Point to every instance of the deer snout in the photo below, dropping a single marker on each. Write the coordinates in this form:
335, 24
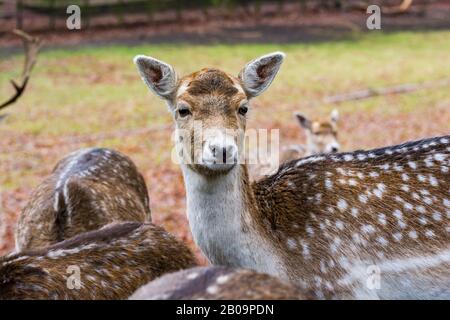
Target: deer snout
220, 150
223, 152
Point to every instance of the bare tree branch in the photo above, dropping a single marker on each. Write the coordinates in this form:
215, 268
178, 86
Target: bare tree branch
373, 92
401, 8
32, 45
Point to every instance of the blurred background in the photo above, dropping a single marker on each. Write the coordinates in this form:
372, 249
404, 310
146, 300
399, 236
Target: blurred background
389, 85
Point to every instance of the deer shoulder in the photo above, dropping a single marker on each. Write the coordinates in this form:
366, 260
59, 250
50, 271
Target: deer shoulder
87, 190
110, 263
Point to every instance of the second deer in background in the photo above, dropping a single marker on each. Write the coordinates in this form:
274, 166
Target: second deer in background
321, 137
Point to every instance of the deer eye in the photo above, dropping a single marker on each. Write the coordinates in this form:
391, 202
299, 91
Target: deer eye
184, 111
243, 110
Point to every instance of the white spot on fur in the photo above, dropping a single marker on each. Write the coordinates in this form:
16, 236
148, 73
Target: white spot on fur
405, 188
412, 234
367, 228
361, 156
192, 276
223, 279
433, 180
408, 206
382, 218
348, 157
374, 174
397, 236
439, 157
362, 198
412, 165
437, 216
423, 220
429, 233
446, 202
342, 205
382, 241
398, 214
421, 177
292, 244
212, 289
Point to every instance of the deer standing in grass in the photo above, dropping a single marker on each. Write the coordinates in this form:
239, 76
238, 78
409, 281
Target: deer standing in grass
87, 190
109, 263
333, 223
218, 283
321, 137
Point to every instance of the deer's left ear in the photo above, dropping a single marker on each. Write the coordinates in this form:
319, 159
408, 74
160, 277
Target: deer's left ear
258, 74
334, 116
159, 76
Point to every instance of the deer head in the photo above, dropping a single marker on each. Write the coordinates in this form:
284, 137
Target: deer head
321, 134
210, 108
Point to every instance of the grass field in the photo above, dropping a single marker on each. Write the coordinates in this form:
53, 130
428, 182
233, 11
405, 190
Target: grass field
93, 96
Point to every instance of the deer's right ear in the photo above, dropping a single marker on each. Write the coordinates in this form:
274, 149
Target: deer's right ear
303, 121
258, 74
159, 76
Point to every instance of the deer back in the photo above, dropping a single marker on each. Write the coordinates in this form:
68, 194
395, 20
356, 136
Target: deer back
87, 190
110, 263
217, 283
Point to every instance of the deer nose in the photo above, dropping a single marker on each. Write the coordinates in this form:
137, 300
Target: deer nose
223, 152
334, 149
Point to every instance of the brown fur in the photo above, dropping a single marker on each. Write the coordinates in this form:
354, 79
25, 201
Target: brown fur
218, 283
87, 190
113, 261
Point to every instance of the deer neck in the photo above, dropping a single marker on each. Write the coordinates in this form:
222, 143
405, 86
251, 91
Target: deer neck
222, 216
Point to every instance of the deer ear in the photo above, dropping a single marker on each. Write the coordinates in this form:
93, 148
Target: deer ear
159, 76
303, 121
258, 74
334, 116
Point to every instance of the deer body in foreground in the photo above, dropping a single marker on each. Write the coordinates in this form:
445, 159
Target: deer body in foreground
321, 137
88, 189
326, 222
217, 283
109, 263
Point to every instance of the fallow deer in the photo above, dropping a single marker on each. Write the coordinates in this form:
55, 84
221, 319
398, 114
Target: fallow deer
321, 137
331, 222
109, 263
218, 283
88, 189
